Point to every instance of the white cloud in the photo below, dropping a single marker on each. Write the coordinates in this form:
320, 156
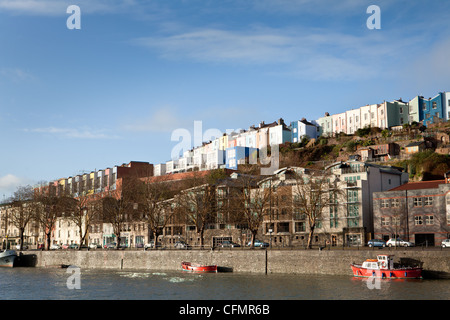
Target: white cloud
164, 119
73, 133
15, 74
9, 184
222, 45
312, 53
59, 7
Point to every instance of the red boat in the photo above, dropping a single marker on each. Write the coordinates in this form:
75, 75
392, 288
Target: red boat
194, 267
383, 267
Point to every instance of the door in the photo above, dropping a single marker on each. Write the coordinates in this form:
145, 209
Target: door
424, 239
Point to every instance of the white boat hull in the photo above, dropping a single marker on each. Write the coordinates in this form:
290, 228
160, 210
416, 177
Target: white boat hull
7, 258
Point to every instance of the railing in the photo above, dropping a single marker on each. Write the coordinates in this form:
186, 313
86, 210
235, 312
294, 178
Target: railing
299, 247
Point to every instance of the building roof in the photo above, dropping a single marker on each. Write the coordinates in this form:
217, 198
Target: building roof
414, 144
419, 185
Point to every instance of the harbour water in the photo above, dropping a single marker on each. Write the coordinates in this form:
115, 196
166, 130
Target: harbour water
95, 284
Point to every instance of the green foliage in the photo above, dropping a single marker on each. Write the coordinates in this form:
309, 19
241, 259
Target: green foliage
430, 164
363, 132
351, 145
216, 175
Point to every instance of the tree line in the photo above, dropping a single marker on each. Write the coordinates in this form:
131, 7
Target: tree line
246, 199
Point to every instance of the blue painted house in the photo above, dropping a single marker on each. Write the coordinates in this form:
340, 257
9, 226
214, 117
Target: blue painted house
240, 155
427, 110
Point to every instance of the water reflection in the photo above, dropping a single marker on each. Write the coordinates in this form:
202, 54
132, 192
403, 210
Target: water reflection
41, 283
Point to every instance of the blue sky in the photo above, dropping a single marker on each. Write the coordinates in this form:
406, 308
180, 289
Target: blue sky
114, 91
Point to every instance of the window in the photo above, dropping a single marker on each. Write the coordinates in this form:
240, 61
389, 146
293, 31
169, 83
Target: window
428, 201
384, 203
385, 221
424, 106
395, 203
352, 196
352, 210
395, 221
334, 222
434, 105
418, 220
417, 202
283, 227
300, 226
401, 110
429, 220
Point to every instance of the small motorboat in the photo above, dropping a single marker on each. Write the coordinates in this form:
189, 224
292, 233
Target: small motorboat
7, 258
383, 267
194, 267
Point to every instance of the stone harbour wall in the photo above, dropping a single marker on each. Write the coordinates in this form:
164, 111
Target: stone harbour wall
436, 263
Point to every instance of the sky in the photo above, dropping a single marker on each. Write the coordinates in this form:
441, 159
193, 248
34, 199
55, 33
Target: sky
116, 90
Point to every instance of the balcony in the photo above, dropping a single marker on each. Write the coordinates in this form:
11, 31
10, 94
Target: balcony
352, 185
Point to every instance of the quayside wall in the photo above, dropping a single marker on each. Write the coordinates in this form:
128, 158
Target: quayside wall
436, 263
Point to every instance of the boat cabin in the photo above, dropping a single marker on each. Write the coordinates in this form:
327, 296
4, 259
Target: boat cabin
383, 261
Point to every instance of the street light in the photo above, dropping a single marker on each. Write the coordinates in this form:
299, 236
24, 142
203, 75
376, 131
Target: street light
270, 234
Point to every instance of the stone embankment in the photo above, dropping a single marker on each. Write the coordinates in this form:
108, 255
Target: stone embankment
436, 263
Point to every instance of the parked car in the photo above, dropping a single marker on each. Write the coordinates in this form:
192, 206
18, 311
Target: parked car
399, 243
376, 243
445, 243
111, 245
259, 243
64, 246
151, 245
41, 246
55, 246
228, 244
25, 247
181, 245
73, 246
94, 246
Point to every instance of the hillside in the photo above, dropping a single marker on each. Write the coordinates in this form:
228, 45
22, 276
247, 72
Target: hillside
430, 162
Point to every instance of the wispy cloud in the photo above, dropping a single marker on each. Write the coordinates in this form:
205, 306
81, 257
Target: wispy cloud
74, 133
15, 74
313, 53
164, 119
59, 7
221, 45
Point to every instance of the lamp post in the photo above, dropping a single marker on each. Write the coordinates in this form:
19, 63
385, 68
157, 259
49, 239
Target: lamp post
270, 235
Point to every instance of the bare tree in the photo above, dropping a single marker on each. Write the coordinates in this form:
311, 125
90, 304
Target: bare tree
119, 206
250, 202
23, 210
83, 212
312, 194
197, 203
150, 198
48, 208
